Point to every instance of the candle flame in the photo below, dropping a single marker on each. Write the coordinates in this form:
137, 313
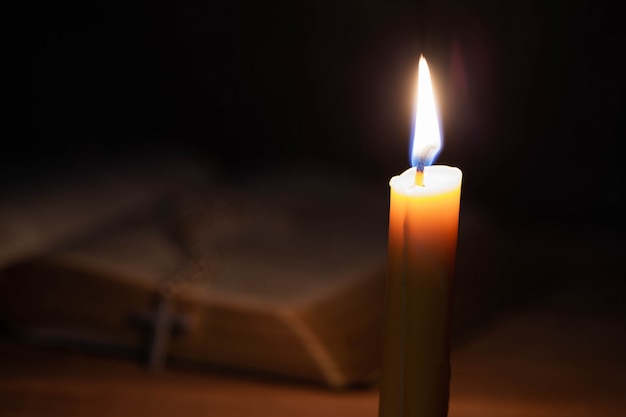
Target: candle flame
426, 142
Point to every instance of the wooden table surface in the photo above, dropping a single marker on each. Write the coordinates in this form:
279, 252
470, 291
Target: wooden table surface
559, 355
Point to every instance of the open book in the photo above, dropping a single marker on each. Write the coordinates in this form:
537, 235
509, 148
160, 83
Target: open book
282, 274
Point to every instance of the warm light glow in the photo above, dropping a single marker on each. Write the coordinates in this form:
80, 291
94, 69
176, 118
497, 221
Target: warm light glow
426, 142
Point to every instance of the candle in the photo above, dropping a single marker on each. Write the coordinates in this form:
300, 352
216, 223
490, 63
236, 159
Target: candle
423, 227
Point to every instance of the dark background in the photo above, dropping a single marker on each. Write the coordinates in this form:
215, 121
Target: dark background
531, 94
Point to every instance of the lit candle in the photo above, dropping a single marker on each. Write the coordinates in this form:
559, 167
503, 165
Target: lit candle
423, 228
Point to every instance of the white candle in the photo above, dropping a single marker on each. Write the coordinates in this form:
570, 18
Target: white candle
423, 229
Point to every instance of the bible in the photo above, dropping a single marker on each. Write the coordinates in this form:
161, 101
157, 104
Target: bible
281, 274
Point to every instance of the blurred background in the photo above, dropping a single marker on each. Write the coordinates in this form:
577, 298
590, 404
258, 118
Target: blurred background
532, 96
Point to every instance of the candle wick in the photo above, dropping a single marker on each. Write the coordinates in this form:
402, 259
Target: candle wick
419, 173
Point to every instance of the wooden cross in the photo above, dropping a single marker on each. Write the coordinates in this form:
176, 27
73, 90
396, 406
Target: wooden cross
163, 321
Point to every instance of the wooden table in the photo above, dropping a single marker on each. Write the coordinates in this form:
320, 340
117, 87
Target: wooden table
558, 355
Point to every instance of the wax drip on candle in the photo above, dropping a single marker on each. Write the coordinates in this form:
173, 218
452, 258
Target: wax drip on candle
426, 142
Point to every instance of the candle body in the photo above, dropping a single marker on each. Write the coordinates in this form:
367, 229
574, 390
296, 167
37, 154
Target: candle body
423, 230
